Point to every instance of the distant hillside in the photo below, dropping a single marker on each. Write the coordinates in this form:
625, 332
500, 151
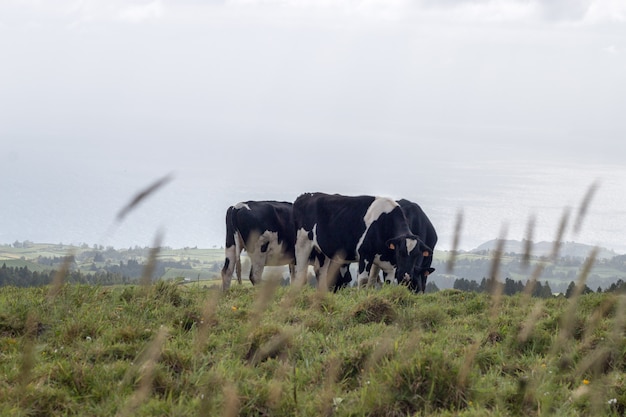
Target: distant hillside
571, 249
190, 263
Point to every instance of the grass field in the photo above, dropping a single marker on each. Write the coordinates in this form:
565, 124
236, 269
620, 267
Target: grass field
173, 350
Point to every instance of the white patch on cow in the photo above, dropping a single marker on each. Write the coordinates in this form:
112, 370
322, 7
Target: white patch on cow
387, 267
242, 205
274, 254
302, 239
275, 251
379, 206
410, 244
315, 242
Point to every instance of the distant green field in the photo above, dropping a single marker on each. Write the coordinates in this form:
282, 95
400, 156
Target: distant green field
206, 263
19, 263
202, 260
202, 255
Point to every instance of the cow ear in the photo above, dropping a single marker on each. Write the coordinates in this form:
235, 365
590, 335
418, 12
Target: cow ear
426, 251
391, 246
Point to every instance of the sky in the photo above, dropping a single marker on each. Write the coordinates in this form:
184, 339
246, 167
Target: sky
501, 110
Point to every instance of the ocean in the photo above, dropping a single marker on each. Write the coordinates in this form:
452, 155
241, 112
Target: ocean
495, 200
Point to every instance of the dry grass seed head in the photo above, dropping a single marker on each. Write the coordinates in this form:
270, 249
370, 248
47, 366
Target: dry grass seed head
584, 205
458, 226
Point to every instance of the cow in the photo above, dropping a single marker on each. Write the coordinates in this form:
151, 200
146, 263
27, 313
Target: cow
420, 225
372, 231
265, 230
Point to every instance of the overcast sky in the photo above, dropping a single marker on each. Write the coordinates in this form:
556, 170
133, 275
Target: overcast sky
499, 108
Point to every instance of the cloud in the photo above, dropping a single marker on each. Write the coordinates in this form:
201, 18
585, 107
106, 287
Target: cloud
607, 11
142, 12
330, 11
612, 50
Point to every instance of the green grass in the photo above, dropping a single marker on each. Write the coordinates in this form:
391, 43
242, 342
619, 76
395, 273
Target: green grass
266, 351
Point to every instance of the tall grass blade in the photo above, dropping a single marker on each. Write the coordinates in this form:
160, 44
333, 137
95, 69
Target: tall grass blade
496, 261
329, 279
28, 354
231, 400
59, 277
142, 195
496, 289
146, 363
265, 294
528, 242
584, 205
208, 320
569, 316
326, 407
529, 324
558, 239
458, 226
148, 270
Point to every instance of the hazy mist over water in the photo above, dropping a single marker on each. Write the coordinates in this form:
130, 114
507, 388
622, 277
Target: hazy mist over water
81, 207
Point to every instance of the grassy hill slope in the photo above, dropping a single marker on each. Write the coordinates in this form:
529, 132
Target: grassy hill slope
271, 351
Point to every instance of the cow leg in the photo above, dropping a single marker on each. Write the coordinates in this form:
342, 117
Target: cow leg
304, 246
373, 275
292, 271
317, 270
229, 265
256, 268
324, 274
363, 273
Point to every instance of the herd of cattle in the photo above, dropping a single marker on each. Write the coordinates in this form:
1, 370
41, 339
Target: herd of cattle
328, 232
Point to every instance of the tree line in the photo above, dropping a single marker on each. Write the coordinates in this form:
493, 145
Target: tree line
131, 268
512, 287
24, 277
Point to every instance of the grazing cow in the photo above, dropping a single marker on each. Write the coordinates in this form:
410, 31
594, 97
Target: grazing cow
372, 231
422, 227
265, 230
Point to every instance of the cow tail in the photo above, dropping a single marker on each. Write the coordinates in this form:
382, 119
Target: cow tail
230, 249
237, 241
230, 226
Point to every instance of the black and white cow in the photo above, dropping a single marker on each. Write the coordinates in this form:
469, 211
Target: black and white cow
421, 226
265, 230
372, 231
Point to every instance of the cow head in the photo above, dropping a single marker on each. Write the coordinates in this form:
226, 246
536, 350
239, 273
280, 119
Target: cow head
418, 283
409, 251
